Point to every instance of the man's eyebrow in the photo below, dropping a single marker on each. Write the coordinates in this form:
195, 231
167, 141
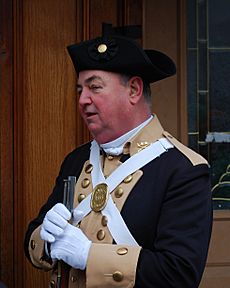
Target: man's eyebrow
89, 80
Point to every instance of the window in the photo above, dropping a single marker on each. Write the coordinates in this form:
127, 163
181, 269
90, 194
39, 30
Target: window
208, 52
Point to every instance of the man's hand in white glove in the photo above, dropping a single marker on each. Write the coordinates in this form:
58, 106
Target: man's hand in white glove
55, 222
72, 247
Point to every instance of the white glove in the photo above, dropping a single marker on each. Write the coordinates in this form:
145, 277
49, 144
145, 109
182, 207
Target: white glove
72, 247
55, 222
77, 216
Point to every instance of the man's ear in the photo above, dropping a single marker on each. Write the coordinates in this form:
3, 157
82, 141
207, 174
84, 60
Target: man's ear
136, 89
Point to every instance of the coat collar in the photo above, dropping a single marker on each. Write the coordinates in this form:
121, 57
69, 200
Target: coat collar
149, 134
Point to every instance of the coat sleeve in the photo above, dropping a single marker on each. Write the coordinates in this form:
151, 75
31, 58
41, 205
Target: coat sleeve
112, 265
178, 256
36, 251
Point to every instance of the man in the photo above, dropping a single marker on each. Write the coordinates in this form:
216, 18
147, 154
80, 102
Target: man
142, 209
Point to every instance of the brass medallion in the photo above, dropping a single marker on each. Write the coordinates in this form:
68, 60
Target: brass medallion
99, 197
102, 48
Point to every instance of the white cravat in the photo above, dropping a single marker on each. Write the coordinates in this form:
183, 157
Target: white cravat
115, 147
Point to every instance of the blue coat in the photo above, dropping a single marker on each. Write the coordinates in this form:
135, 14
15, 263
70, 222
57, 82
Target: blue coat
168, 211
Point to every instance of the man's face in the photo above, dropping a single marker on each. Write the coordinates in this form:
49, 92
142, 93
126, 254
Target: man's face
104, 104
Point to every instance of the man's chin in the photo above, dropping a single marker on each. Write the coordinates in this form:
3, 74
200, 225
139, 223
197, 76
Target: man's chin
99, 134
94, 128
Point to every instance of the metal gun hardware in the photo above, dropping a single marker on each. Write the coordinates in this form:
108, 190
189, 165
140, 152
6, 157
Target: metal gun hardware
68, 200
68, 196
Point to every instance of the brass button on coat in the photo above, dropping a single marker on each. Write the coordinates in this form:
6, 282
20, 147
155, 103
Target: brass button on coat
100, 234
81, 197
73, 278
85, 183
118, 276
52, 284
122, 251
119, 192
110, 157
104, 221
128, 179
88, 168
32, 244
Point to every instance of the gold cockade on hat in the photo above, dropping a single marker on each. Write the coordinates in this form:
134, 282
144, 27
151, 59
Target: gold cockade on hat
102, 48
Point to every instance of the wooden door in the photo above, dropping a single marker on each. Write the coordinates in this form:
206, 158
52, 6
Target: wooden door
40, 123
6, 142
44, 113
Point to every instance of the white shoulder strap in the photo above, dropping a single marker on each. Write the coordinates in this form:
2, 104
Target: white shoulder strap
116, 224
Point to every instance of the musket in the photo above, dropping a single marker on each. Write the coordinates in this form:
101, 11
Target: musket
68, 200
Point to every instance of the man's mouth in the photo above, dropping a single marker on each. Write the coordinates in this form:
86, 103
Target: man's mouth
90, 114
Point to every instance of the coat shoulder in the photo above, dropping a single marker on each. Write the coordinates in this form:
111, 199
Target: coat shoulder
191, 155
81, 151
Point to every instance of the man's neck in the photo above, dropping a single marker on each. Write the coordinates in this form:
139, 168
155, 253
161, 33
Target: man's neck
115, 147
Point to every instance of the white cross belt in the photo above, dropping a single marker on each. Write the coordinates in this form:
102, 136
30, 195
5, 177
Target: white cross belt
116, 224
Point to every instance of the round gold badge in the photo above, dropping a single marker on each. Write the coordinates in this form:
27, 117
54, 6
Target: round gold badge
102, 48
99, 197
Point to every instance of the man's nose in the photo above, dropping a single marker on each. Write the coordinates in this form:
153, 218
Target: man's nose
85, 97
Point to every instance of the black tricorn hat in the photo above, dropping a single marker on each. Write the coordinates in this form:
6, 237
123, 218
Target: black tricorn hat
122, 55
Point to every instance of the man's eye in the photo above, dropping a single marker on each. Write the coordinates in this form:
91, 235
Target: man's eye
95, 87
